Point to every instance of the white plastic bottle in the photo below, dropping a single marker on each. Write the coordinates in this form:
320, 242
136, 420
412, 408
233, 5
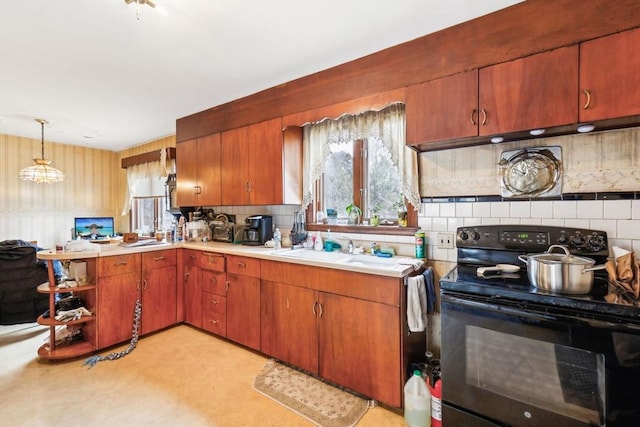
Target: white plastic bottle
417, 401
318, 245
277, 239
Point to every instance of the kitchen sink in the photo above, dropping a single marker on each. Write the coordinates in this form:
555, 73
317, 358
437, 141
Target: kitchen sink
312, 255
362, 263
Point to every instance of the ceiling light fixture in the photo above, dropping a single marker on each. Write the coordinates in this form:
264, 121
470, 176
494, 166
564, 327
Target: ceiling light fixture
41, 173
161, 10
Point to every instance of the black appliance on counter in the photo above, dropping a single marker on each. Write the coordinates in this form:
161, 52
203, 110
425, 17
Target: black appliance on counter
258, 230
222, 228
514, 355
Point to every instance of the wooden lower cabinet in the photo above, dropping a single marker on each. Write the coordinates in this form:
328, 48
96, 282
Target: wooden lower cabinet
348, 328
118, 286
359, 346
243, 300
159, 290
289, 323
121, 280
192, 287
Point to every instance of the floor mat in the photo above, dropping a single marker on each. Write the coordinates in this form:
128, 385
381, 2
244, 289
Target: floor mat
317, 401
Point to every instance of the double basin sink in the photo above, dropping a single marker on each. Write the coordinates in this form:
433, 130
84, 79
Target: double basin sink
396, 266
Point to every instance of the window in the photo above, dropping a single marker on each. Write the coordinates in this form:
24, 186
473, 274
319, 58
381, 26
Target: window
360, 172
360, 159
150, 213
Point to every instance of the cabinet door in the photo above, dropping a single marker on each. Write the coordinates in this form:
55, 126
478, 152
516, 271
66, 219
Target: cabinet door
158, 298
193, 295
209, 173
187, 173
243, 310
288, 324
266, 163
534, 92
235, 167
198, 171
359, 346
443, 109
610, 72
117, 296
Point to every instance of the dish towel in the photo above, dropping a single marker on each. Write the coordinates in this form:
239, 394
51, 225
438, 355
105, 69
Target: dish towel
431, 290
416, 304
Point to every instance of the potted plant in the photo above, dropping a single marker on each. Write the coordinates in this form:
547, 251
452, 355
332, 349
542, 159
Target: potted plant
402, 211
354, 213
375, 216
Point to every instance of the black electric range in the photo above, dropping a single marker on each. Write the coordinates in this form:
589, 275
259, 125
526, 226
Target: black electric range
501, 244
514, 355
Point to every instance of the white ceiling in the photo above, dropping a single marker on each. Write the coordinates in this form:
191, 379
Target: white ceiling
104, 79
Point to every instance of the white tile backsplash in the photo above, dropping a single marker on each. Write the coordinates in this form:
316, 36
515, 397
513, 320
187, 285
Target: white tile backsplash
520, 209
565, 209
448, 209
617, 209
592, 209
499, 209
541, 209
611, 216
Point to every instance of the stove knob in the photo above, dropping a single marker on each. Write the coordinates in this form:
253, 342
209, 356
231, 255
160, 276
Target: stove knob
475, 235
562, 239
578, 241
596, 242
464, 235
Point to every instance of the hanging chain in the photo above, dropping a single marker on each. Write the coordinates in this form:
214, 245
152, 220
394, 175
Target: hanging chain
137, 313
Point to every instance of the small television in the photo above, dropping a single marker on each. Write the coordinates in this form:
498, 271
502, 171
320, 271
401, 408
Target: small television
94, 228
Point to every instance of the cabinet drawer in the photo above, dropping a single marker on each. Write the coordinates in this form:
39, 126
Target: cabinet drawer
190, 258
157, 259
212, 303
118, 264
243, 265
214, 313
214, 281
212, 261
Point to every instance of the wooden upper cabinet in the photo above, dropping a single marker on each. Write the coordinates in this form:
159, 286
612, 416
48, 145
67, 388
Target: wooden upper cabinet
443, 109
260, 166
534, 92
610, 77
198, 171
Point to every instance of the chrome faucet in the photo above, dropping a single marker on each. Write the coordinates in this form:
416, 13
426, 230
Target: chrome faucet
350, 246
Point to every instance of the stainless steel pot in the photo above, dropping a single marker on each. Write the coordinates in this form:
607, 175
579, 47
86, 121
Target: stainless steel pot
563, 273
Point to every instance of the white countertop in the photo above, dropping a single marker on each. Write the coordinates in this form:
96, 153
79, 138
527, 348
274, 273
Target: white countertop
397, 266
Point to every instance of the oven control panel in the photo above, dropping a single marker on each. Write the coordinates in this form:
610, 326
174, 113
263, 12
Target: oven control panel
530, 238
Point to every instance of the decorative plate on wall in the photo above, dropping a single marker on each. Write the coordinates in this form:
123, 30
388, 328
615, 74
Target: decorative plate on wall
531, 172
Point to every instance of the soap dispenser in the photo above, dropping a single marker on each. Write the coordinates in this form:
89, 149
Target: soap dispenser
318, 245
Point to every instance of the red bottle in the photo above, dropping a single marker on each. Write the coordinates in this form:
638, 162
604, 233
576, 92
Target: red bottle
436, 404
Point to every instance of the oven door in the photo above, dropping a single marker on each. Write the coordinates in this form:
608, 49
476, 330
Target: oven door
531, 366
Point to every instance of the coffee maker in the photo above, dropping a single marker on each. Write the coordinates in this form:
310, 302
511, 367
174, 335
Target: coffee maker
258, 230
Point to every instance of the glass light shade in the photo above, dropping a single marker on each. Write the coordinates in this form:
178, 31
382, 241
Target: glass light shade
41, 173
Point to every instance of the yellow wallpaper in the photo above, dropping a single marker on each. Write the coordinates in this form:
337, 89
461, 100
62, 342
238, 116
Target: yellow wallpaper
94, 185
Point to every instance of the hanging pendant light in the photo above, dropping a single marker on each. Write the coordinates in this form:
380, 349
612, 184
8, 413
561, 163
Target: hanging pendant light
41, 173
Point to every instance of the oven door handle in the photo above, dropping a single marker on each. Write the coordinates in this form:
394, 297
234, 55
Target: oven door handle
553, 314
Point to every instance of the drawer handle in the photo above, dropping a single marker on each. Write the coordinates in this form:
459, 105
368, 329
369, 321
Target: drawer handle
121, 263
158, 258
213, 259
192, 256
472, 117
588, 94
242, 265
213, 321
214, 280
484, 116
214, 301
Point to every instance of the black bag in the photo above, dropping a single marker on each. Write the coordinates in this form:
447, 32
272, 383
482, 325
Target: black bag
66, 304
